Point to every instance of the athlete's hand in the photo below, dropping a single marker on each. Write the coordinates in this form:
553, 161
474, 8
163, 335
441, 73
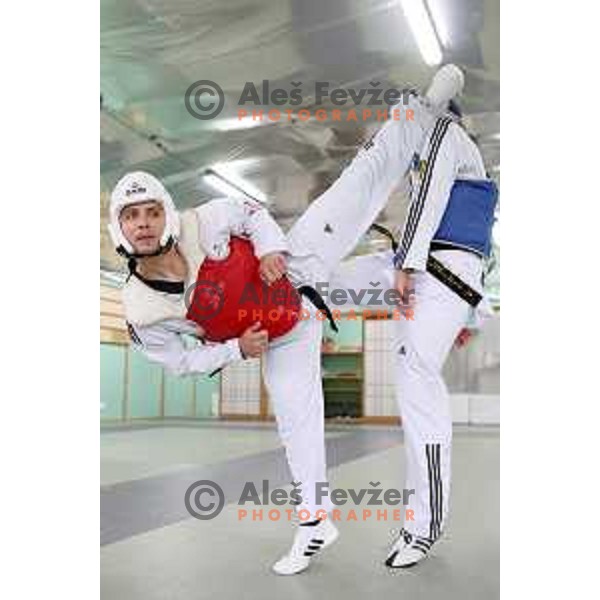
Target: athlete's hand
254, 341
405, 284
463, 338
272, 267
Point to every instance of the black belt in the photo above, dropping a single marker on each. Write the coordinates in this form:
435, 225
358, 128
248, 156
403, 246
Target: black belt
388, 234
452, 281
318, 302
440, 272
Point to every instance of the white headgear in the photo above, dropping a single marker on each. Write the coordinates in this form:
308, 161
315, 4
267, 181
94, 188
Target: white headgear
134, 188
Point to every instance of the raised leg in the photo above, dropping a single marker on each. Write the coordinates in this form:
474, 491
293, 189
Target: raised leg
334, 223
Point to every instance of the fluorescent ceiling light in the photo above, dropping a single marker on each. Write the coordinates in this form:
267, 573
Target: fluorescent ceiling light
439, 14
235, 123
422, 27
222, 178
490, 137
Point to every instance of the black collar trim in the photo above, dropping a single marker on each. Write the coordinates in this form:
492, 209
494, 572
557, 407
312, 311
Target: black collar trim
160, 285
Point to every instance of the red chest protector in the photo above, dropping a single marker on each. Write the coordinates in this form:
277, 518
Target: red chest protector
229, 296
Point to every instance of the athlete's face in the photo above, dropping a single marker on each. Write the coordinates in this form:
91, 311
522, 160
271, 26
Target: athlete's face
142, 225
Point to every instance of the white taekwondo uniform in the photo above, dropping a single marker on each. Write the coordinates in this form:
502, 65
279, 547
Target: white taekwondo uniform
448, 163
326, 233
423, 344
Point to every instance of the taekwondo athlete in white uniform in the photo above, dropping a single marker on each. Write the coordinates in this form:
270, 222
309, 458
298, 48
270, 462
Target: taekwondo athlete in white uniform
170, 252
450, 218
438, 266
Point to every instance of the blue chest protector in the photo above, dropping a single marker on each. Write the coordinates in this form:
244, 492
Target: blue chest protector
469, 216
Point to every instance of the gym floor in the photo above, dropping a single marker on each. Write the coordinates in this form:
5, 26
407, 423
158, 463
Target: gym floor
153, 549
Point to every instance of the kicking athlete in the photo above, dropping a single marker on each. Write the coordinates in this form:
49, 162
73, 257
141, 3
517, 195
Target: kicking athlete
170, 253
439, 264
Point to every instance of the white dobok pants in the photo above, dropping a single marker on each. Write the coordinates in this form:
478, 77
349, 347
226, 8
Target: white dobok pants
420, 348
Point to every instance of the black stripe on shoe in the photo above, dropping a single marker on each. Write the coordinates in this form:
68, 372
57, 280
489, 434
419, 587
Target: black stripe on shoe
316, 548
308, 553
406, 566
424, 542
418, 546
390, 559
315, 541
310, 523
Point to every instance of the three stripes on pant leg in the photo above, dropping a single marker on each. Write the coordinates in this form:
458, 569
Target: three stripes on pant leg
436, 495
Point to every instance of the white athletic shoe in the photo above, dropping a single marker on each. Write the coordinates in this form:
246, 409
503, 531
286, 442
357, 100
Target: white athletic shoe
408, 550
308, 543
447, 83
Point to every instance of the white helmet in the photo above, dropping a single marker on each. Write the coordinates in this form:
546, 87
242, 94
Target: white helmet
135, 188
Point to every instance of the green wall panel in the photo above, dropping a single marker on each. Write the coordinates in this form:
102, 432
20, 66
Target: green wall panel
144, 386
179, 396
205, 388
349, 334
112, 380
